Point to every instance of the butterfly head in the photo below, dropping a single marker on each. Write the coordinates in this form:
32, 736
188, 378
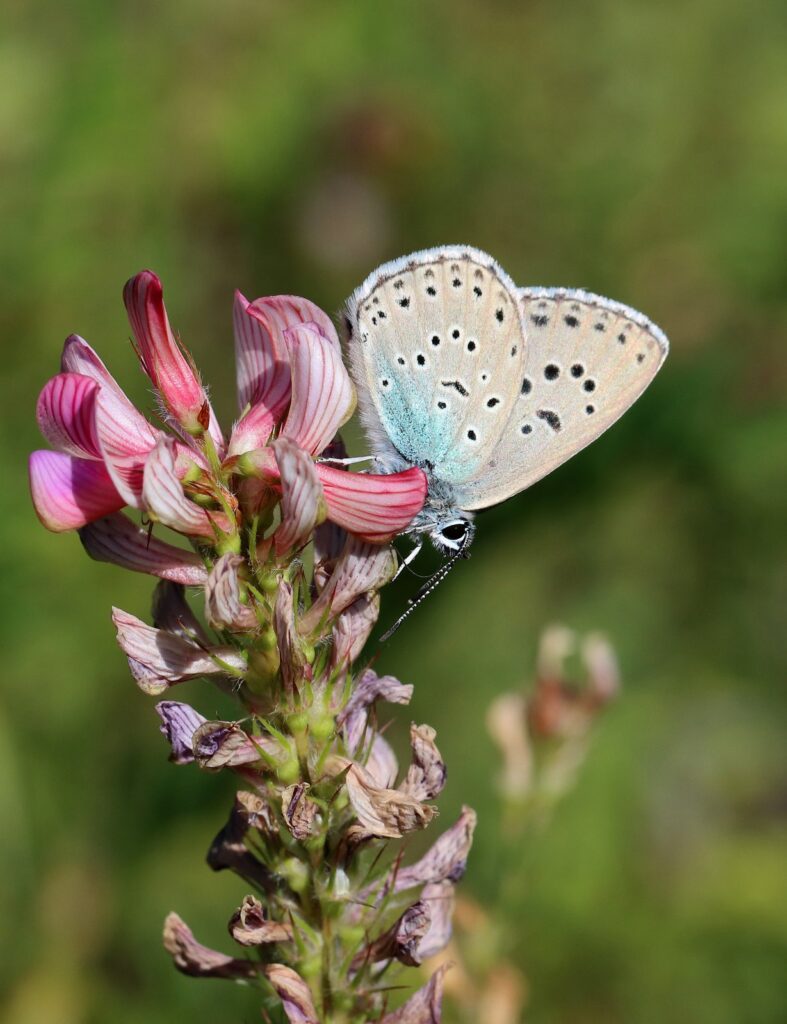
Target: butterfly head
451, 530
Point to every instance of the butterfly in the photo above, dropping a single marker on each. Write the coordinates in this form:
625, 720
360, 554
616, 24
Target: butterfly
487, 387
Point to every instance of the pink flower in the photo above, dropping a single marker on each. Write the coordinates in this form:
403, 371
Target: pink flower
292, 385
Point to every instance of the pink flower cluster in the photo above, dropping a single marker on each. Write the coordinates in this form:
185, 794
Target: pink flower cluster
294, 394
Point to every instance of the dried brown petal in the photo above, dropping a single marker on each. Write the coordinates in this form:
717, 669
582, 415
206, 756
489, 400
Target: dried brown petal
370, 688
223, 606
425, 1007
426, 775
253, 811
198, 961
299, 810
384, 812
445, 860
401, 941
381, 762
603, 672
225, 745
506, 723
228, 850
294, 993
250, 926
439, 898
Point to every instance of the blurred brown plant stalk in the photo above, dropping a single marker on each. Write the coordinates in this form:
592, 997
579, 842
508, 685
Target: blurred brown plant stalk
543, 736
333, 910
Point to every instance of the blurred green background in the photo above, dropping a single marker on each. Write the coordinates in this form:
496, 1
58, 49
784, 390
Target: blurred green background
634, 149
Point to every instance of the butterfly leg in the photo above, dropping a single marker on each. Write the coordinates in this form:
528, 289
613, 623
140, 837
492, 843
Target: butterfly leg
412, 555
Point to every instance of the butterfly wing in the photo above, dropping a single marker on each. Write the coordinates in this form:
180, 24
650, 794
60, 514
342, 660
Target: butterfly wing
435, 340
587, 360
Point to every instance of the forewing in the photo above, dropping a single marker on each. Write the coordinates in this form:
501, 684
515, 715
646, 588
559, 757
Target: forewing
435, 339
587, 359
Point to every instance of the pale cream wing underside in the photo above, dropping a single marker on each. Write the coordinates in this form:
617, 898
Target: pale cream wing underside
437, 344
587, 359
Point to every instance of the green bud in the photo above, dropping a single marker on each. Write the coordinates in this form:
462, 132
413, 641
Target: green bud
267, 641
193, 473
297, 722
269, 584
322, 727
314, 844
308, 651
263, 666
352, 935
290, 771
296, 873
229, 544
310, 967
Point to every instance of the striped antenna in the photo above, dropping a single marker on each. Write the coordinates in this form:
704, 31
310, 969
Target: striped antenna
431, 584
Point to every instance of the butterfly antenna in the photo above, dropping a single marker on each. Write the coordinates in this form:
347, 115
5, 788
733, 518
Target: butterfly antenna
431, 584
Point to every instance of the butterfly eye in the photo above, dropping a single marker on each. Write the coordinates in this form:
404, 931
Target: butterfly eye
454, 531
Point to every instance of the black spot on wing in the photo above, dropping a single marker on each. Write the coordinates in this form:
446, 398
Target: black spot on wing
457, 385
550, 417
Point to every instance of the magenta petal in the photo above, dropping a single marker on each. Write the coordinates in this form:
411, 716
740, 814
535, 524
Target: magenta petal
117, 540
79, 357
163, 359
262, 357
65, 414
69, 492
163, 496
373, 506
323, 397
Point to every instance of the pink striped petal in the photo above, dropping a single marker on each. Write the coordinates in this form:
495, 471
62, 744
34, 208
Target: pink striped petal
352, 630
69, 492
65, 414
164, 360
125, 444
302, 505
79, 357
224, 608
163, 496
362, 568
323, 397
373, 506
253, 430
261, 355
159, 659
117, 540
